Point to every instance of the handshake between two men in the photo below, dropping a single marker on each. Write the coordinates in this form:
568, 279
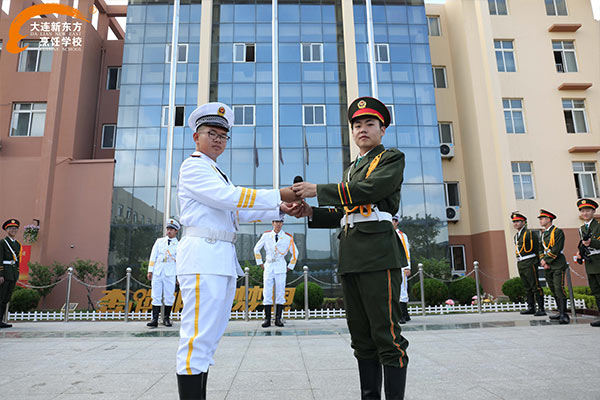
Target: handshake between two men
293, 198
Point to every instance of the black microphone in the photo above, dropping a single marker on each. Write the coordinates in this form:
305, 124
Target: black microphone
298, 179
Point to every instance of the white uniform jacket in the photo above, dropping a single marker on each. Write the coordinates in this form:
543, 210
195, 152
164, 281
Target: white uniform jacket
276, 251
208, 199
162, 257
404, 287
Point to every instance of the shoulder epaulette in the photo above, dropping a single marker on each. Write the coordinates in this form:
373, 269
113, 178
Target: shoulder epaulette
289, 234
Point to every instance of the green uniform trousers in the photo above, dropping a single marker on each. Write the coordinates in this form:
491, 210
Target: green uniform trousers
594, 281
6, 291
556, 282
529, 277
372, 312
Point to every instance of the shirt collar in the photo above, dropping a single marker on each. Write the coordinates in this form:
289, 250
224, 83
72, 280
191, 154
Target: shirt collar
205, 157
547, 229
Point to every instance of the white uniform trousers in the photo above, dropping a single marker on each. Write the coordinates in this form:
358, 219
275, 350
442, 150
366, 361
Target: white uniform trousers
207, 301
270, 279
404, 288
163, 286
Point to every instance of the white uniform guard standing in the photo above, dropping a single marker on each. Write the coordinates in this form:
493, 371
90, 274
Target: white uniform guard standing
207, 266
277, 245
406, 271
162, 272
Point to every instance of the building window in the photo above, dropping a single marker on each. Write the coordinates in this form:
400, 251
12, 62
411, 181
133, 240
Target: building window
445, 131
505, 55
179, 116
244, 52
523, 180
108, 136
586, 179
28, 119
575, 117
564, 55
382, 53
113, 81
128, 214
35, 58
391, 111
556, 7
457, 255
314, 115
311, 52
120, 210
452, 194
433, 24
243, 115
135, 217
513, 115
497, 7
182, 53
439, 77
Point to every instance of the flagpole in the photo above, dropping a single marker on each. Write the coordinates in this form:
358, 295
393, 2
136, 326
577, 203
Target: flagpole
171, 122
275, 79
371, 48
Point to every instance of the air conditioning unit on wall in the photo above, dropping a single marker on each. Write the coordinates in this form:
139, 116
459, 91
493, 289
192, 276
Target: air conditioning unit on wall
447, 150
453, 213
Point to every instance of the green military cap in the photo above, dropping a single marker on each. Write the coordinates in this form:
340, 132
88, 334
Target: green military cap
546, 213
369, 106
11, 222
517, 216
586, 203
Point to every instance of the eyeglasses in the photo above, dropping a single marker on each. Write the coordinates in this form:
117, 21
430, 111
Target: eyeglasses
216, 136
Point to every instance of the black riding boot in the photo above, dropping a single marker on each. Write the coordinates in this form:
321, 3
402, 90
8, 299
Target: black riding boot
2, 311
530, 305
155, 314
394, 382
192, 387
369, 372
167, 316
278, 314
267, 322
556, 316
402, 319
541, 309
564, 317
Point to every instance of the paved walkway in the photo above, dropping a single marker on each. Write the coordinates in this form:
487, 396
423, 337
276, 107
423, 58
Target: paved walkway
458, 356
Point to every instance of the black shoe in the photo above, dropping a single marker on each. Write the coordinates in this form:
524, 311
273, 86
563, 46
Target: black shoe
555, 316
267, 322
5, 325
530, 305
540, 302
528, 311
278, 314
404, 310
167, 316
369, 372
563, 317
192, 387
595, 323
394, 382
539, 313
155, 314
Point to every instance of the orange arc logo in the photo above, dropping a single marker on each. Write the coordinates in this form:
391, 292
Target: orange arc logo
12, 46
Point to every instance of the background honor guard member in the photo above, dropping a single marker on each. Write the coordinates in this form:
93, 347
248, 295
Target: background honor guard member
589, 247
162, 271
277, 244
527, 243
554, 262
371, 255
10, 250
406, 271
207, 267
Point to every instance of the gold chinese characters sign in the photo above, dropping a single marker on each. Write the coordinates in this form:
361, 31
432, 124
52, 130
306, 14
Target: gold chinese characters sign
114, 300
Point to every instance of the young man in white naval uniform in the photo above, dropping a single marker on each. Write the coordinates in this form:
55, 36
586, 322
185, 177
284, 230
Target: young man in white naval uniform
405, 271
161, 272
277, 244
211, 209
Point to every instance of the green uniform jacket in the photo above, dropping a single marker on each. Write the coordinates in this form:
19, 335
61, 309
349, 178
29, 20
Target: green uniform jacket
593, 266
527, 242
551, 250
8, 271
372, 245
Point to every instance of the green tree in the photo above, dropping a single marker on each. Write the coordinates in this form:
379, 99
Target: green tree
89, 272
256, 273
436, 267
45, 275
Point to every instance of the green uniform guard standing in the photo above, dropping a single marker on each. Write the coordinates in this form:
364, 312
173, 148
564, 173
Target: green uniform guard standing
527, 243
371, 255
10, 252
554, 263
589, 247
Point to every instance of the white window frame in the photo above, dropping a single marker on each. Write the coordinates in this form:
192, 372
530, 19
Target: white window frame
377, 49
435, 82
594, 177
31, 111
120, 208
504, 51
235, 45
244, 107
38, 48
440, 123
118, 78
462, 248
179, 47
435, 18
390, 108
512, 110
572, 110
562, 51
313, 106
496, 7
114, 139
522, 173
164, 120
556, 14
446, 184
312, 52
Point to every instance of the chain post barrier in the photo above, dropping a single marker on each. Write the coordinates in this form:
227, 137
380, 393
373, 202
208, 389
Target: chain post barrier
305, 271
127, 294
476, 269
246, 283
422, 283
68, 299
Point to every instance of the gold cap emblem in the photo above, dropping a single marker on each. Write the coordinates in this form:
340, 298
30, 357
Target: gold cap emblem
221, 111
361, 104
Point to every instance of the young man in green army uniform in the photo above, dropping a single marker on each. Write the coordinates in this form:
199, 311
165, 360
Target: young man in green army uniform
554, 263
589, 247
527, 243
371, 255
10, 253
